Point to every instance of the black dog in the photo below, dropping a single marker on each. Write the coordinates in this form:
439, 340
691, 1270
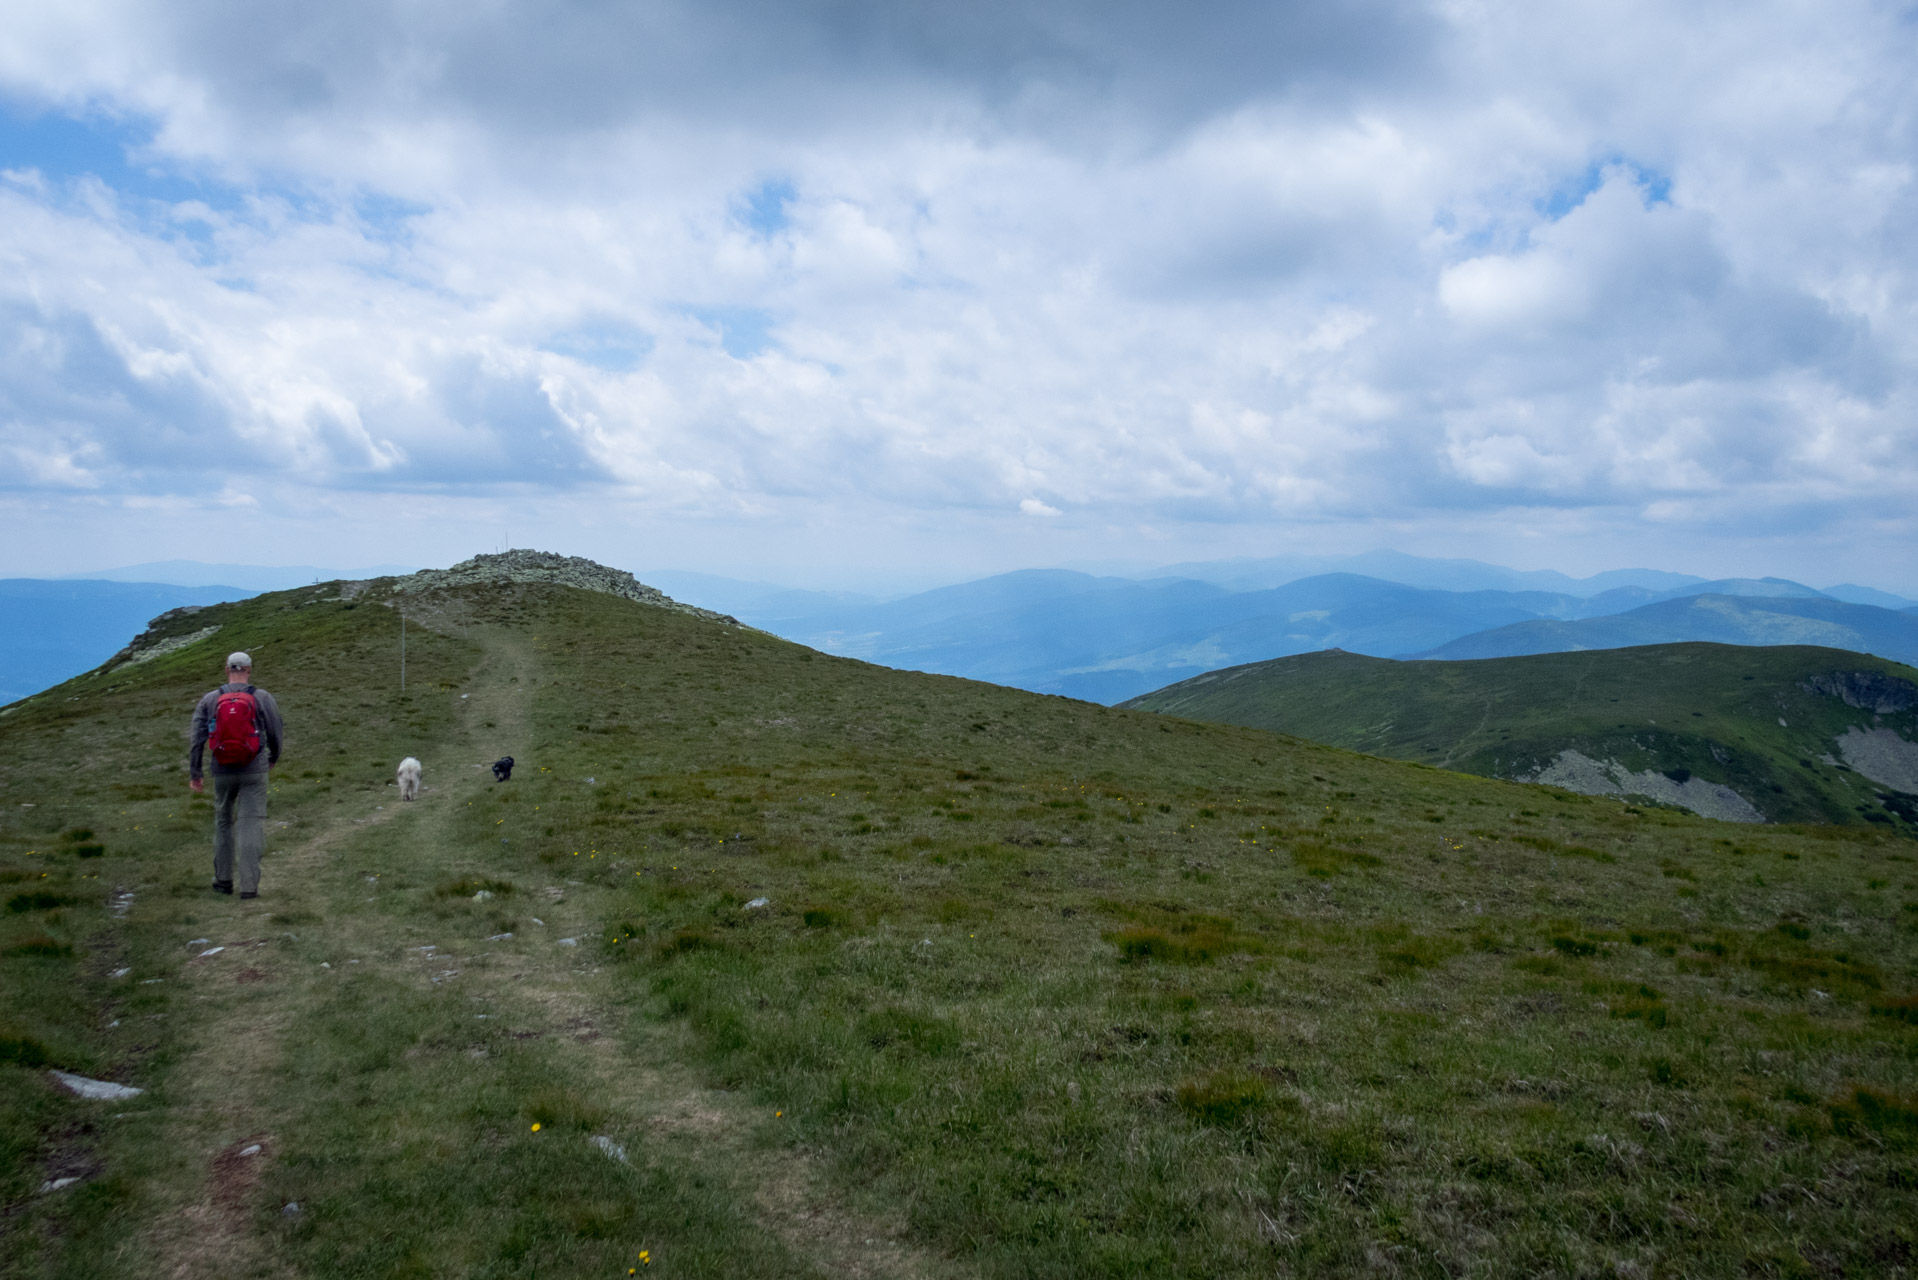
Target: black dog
502, 768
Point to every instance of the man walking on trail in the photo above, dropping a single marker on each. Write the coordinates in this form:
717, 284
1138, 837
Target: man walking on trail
241, 724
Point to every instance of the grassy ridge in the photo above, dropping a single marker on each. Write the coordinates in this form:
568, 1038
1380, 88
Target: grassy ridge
1039, 987
1730, 714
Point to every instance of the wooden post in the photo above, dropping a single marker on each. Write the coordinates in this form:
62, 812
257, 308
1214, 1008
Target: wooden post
402, 651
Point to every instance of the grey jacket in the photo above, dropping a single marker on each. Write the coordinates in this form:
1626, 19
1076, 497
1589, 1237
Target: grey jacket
270, 731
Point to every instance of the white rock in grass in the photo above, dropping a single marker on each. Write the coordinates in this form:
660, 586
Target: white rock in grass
58, 1184
611, 1148
569, 942
757, 903
253, 1150
95, 1088
501, 937
484, 895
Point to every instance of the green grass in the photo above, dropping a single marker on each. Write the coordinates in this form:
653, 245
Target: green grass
1743, 716
1171, 998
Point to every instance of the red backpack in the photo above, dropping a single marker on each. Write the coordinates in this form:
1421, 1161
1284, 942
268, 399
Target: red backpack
236, 727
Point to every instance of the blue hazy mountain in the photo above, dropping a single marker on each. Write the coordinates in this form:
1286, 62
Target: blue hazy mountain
1852, 593
1724, 618
52, 631
1109, 638
254, 577
755, 603
1105, 639
1248, 574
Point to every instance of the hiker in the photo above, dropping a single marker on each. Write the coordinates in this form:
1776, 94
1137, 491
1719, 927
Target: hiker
236, 720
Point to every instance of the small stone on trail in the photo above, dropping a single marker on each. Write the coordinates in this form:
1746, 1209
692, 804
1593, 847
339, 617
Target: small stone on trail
500, 937
569, 942
58, 1184
757, 903
253, 1150
292, 1208
86, 1088
211, 951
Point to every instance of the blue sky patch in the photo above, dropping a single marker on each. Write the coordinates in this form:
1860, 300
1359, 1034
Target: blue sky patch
64, 148
764, 208
1654, 187
743, 331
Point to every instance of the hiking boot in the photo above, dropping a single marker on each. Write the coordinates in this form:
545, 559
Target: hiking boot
223, 886
249, 895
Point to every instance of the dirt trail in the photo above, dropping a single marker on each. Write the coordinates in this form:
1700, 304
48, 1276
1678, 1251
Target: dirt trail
220, 1090
247, 999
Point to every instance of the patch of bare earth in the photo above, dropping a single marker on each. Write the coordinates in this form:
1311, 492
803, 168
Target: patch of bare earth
214, 1239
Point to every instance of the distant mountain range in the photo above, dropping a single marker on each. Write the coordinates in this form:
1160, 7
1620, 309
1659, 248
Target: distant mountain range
1728, 619
1779, 734
254, 577
1107, 638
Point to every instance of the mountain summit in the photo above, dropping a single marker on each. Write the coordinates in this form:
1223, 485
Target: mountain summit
548, 566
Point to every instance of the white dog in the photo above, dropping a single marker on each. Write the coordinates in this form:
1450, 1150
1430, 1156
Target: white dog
409, 779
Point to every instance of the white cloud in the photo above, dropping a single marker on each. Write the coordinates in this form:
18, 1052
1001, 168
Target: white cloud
1347, 267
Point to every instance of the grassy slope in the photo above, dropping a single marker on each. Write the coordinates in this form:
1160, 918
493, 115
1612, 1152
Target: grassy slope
1043, 989
1659, 707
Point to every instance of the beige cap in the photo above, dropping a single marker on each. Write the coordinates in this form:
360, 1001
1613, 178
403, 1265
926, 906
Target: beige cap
238, 659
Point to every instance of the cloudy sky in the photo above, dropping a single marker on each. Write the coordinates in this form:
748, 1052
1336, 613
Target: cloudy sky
840, 290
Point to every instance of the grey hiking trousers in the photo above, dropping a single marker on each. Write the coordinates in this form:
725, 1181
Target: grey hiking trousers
239, 824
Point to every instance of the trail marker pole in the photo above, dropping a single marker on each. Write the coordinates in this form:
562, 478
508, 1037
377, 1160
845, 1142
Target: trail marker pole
402, 651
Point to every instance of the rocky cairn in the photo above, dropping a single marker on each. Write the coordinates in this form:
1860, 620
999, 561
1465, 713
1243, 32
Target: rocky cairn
545, 566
